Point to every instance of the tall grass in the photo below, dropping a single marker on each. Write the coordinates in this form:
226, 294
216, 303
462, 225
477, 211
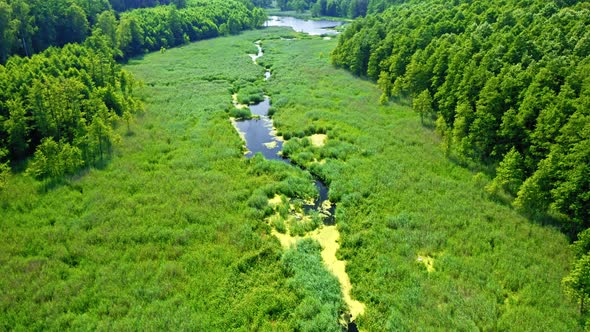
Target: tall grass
401, 204
162, 237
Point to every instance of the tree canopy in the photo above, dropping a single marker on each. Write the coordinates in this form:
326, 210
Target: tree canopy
508, 81
60, 105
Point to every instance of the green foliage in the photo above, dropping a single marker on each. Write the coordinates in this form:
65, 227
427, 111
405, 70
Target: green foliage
161, 237
318, 291
577, 282
53, 160
240, 113
53, 100
4, 175
250, 94
399, 198
167, 26
336, 8
509, 174
422, 104
30, 27
502, 77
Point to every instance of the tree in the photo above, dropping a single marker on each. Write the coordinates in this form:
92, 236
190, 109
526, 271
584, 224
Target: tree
6, 31
130, 36
283, 4
46, 160
577, 282
100, 136
107, 23
259, 17
76, 25
17, 128
23, 24
509, 174
4, 173
423, 105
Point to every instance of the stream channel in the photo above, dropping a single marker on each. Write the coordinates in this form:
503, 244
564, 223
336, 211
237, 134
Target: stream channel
260, 137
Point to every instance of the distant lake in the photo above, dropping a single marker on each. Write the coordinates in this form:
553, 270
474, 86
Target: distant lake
315, 28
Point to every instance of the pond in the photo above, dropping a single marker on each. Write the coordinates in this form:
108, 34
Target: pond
314, 28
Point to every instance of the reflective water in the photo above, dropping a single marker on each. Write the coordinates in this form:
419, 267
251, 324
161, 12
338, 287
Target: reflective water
259, 134
314, 28
260, 137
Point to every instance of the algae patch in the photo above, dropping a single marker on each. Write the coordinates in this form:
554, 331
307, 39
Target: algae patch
318, 140
271, 145
427, 261
328, 237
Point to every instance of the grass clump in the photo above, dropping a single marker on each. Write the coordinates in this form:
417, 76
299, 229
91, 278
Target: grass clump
318, 291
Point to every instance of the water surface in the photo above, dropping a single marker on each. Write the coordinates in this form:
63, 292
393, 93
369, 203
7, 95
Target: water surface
314, 28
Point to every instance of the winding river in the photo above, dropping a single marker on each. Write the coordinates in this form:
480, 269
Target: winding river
260, 137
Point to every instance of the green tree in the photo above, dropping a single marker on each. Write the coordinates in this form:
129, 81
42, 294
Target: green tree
17, 128
24, 24
259, 17
130, 36
100, 137
577, 282
4, 173
6, 31
509, 174
76, 25
422, 104
46, 163
107, 23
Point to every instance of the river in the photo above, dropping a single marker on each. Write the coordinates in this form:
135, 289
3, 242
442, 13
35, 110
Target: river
260, 137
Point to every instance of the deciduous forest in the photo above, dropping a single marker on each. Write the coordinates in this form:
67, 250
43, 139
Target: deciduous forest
453, 138
505, 84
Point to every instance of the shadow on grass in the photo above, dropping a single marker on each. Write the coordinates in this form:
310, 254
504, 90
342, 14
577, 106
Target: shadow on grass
50, 184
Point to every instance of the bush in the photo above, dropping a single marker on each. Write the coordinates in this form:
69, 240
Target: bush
241, 113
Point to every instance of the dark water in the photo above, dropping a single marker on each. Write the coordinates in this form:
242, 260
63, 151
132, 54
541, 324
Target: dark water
260, 138
314, 28
258, 133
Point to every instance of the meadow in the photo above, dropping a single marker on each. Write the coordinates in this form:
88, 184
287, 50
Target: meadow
427, 248
169, 233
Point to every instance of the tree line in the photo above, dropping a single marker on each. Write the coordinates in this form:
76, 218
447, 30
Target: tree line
29, 27
506, 84
61, 105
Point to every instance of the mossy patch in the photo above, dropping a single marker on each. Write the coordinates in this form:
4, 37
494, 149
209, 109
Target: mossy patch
318, 140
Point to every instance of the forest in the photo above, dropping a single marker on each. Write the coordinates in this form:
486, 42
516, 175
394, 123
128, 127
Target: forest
506, 85
456, 149
60, 105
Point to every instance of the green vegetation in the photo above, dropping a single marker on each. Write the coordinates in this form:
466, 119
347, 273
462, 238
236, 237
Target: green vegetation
502, 78
168, 235
61, 105
29, 27
174, 232
399, 198
331, 8
319, 295
509, 86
